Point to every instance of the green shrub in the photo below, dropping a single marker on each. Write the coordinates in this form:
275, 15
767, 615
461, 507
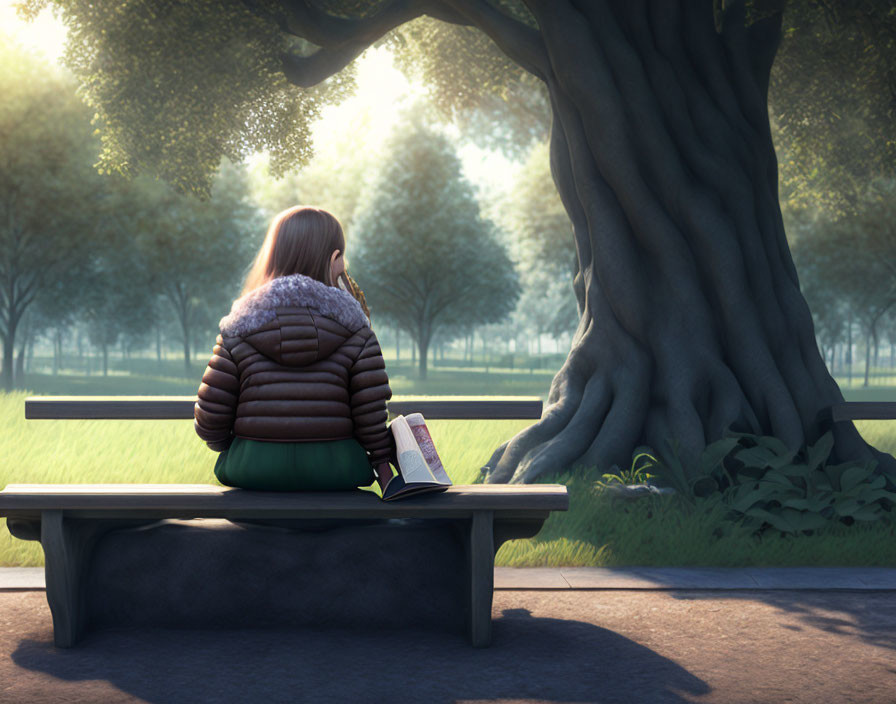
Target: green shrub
764, 485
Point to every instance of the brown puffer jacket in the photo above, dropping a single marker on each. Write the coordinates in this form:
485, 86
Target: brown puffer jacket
296, 360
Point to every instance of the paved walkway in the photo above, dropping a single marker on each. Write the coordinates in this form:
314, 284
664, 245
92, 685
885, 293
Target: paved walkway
874, 578
550, 646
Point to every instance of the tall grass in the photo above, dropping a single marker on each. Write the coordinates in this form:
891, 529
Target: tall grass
598, 530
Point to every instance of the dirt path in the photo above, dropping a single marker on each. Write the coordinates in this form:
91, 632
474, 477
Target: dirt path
575, 646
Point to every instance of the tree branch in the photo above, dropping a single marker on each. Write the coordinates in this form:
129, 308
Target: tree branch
446, 14
307, 71
326, 30
278, 18
519, 41
341, 39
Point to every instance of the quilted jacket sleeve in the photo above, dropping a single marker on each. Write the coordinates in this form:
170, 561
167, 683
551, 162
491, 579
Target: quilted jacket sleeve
369, 391
215, 410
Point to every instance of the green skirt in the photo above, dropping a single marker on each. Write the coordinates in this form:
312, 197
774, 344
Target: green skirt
332, 465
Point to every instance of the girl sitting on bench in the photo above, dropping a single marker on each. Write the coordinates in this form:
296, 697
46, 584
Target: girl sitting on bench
294, 396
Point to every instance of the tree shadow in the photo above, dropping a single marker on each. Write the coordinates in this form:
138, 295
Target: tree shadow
530, 658
867, 615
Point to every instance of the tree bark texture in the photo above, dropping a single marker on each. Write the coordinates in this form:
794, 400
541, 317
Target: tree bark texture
692, 320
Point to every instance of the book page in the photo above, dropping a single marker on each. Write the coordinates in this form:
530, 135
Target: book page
417, 424
411, 462
413, 467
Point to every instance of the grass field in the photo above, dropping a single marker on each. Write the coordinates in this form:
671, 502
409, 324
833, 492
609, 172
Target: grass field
596, 531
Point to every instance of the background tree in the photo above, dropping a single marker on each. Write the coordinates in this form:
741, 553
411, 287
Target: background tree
196, 251
50, 194
421, 249
533, 216
833, 102
334, 180
871, 236
539, 234
116, 296
847, 278
889, 325
692, 320
819, 280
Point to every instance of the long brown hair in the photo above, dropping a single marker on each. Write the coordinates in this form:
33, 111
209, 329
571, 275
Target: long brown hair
300, 240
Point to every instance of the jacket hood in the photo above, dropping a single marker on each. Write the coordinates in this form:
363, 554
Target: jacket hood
258, 307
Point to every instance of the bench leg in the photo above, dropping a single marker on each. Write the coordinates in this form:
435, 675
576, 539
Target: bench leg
63, 552
482, 578
68, 544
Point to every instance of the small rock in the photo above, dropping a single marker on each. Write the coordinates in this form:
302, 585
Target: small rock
635, 491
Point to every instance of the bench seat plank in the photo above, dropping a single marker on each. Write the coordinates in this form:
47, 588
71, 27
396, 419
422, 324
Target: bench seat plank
206, 500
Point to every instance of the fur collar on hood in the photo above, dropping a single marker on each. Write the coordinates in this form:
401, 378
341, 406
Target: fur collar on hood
257, 307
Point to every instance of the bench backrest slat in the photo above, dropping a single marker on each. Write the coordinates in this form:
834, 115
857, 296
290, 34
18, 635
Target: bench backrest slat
858, 410
177, 407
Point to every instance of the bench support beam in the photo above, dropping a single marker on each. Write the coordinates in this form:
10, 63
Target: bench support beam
66, 548
68, 544
482, 577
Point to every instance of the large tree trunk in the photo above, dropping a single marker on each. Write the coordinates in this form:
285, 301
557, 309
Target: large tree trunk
692, 320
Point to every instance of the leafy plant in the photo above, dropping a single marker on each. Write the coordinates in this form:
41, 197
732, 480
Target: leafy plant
765, 485
642, 460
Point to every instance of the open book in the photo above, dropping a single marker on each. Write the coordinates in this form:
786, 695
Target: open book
419, 466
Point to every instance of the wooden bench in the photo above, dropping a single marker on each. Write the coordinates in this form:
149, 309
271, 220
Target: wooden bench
68, 520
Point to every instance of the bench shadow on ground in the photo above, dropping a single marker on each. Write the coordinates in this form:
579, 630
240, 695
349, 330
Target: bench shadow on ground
530, 658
